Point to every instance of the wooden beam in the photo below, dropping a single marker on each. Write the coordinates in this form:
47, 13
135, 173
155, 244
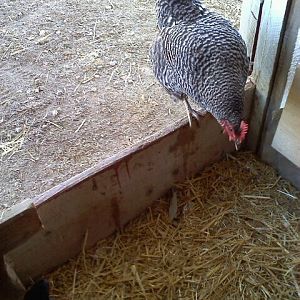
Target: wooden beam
266, 57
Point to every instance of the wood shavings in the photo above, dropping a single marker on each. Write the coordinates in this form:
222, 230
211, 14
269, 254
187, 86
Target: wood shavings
225, 246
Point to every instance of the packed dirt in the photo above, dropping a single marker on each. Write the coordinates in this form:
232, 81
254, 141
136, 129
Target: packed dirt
76, 87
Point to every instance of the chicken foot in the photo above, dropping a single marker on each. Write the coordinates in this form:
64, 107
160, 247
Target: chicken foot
193, 113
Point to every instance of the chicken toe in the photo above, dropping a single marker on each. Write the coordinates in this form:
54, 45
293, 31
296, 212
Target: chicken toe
193, 113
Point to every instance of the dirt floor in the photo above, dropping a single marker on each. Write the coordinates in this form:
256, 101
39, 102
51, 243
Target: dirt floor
76, 87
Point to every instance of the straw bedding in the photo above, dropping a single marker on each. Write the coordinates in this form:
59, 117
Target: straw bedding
230, 233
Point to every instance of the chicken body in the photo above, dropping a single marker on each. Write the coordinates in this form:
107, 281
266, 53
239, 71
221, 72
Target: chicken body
200, 55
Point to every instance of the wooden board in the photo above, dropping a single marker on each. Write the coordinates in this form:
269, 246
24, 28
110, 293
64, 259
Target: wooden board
248, 24
286, 168
287, 136
19, 228
104, 198
14, 232
10, 285
266, 57
292, 70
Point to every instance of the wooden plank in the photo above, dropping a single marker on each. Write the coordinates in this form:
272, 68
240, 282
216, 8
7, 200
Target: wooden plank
104, 198
287, 136
13, 232
248, 23
19, 228
286, 168
266, 57
291, 74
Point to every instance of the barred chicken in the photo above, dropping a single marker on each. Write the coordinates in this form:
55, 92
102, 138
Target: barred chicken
199, 56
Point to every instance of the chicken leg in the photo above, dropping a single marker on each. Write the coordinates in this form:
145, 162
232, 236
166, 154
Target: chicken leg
192, 113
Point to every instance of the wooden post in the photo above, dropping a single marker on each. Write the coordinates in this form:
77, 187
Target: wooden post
286, 168
266, 56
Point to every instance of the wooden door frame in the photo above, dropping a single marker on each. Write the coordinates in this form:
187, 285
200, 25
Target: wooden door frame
273, 109
266, 41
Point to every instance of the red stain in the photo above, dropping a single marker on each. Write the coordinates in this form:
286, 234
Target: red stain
116, 169
127, 168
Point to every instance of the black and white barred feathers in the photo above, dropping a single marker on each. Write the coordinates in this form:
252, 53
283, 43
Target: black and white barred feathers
198, 54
